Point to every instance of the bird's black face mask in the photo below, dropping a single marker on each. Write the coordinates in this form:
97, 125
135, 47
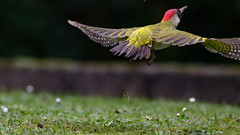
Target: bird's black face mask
179, 14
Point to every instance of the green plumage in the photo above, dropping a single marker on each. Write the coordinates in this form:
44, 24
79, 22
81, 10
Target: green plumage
228, 47
140, 42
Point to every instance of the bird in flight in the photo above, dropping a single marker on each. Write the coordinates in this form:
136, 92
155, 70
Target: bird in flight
141, 42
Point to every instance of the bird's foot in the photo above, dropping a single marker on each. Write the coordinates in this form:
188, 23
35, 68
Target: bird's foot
152, 58
131, 60
150, 61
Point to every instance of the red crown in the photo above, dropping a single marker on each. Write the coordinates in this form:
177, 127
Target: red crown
169, 14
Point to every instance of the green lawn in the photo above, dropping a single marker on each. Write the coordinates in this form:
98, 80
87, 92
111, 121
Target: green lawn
31, 113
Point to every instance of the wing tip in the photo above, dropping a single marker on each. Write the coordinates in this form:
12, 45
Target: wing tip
70, 22
227, 47
73, 23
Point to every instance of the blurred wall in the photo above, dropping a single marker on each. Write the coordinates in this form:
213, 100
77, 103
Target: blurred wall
39, 28
205, 83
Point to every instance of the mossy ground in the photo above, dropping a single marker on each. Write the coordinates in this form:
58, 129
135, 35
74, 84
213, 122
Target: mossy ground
39, 113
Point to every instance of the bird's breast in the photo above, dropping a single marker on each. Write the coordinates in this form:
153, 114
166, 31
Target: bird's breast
159, 46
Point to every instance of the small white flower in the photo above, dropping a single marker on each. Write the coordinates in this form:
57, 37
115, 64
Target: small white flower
192, 99
184, 109
58, 100
110, 123
178, 114
148, 117
4, 109
45, 118
29, 88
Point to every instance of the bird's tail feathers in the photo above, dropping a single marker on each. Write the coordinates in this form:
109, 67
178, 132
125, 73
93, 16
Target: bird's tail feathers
141, 52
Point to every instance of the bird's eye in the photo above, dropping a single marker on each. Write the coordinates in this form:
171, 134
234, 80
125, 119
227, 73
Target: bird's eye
179, 13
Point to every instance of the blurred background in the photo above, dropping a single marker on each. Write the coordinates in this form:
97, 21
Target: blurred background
39, 28
38, 32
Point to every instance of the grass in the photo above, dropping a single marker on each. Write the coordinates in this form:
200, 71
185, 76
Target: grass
39, 113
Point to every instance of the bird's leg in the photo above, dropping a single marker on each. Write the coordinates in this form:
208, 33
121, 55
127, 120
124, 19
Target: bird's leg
152, 57
131, 60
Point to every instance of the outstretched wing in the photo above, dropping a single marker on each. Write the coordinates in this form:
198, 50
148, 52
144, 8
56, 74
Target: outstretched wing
227, 47
106, 37
176, 37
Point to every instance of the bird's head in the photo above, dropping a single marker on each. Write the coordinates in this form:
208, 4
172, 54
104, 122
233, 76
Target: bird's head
174, 15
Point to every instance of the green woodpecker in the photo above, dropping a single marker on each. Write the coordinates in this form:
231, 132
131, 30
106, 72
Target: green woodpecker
140, 42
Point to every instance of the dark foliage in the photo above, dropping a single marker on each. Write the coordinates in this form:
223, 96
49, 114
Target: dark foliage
39, 28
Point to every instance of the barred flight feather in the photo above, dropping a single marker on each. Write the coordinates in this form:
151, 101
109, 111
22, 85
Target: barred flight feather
178, 41
131, 51
107, 32
227, 47
105, 41
170, 40
192, 41
183, 42
177, 37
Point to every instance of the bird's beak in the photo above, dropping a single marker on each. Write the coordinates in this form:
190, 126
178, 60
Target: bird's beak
182, 9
